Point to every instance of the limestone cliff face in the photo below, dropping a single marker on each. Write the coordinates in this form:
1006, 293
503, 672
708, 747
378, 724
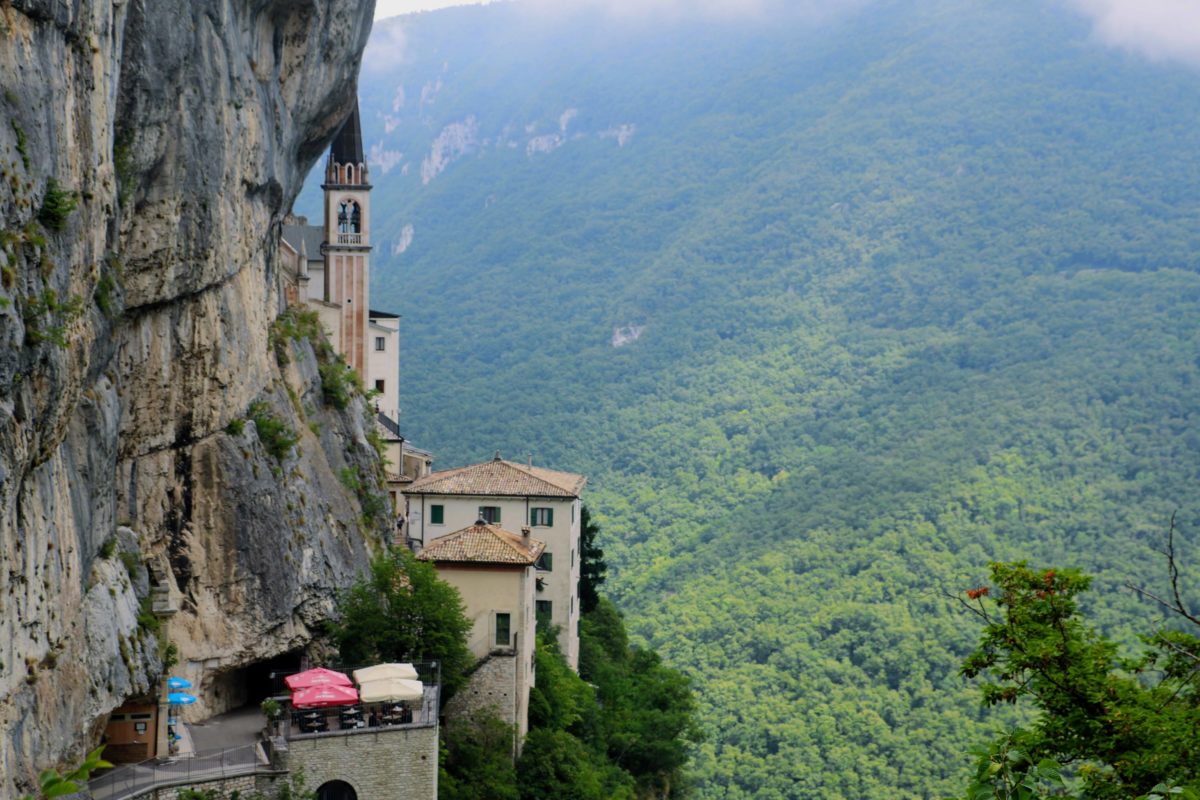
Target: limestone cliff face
134, 329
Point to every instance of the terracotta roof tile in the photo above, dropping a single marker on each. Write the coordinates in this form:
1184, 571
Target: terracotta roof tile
483, 544
501, 478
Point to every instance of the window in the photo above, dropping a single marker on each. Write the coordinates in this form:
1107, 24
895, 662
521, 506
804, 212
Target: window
437, 515
572, 557
546, 562
380, 344
379, 385
541, 516
490, 514
503, 629
545, 609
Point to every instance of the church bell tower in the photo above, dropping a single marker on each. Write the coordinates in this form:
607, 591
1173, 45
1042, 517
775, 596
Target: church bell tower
348, 240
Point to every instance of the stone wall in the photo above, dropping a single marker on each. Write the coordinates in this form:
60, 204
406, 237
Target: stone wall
491, 688
223, 789
381, 764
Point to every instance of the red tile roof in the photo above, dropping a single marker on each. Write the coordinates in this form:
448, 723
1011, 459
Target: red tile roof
483, 544
500, 478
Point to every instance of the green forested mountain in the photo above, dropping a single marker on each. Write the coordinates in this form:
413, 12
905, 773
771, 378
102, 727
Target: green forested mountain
916, 289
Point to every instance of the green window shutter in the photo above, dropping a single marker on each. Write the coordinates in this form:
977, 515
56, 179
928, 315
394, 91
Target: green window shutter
549, 516
503, 623
437, 515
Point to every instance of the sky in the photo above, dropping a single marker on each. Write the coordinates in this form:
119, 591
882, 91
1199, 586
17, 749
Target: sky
1160, 30
391, 8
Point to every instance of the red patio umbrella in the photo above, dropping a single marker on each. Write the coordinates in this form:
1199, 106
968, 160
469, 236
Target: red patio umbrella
324, 696
317, 677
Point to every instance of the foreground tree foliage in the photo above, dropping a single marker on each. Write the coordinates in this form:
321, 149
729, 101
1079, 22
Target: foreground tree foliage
1125, 727
402, 611
619, 730
476, 760
593, 569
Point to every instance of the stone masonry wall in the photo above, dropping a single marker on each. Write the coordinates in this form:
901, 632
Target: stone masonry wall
385, 764
491, 687
222, 789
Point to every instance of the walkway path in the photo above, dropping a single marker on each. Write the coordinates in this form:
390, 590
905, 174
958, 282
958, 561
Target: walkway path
231, 729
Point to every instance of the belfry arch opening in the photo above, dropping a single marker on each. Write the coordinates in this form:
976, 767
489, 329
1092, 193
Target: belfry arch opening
349, 217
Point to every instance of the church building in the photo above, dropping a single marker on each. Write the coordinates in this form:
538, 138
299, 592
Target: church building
327, 268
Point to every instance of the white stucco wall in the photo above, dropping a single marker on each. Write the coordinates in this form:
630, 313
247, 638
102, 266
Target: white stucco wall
384, 364
486, 592
561, 584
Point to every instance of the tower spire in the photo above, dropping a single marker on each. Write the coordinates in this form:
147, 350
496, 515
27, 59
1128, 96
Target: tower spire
347, 145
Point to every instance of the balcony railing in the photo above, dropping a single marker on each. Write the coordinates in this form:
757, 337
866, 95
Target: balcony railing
136, 780
349, 238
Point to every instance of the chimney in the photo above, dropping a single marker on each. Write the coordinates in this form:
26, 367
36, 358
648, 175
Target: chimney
497, 456
531, 460
525, 531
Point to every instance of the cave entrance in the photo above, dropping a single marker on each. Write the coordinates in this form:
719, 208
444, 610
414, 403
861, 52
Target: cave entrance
265, 678
248, 686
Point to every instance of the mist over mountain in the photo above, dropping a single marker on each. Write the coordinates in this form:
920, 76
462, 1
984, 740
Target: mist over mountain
833, 310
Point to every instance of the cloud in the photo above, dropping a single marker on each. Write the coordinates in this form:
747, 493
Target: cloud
1161, 30
681, 10
387, 49
392, 8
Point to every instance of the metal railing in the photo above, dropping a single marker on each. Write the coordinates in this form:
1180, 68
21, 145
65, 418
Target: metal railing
366, 718
134, 780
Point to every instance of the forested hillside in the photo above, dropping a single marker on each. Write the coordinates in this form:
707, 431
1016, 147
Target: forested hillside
832, 314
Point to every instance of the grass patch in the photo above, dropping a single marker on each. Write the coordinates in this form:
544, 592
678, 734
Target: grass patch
22, 144
47, 318
148, 621
374, 505
109, 548
235, 427
123, 166
132, 562
293, 325
275, 434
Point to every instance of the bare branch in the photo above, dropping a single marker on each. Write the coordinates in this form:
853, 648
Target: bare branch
1177, 606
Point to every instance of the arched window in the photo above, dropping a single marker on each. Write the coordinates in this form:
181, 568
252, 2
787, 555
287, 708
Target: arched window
349, 217
349, 173
336, 790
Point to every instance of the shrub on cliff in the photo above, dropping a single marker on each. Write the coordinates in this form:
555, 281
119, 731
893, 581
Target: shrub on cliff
57, 205
275, 434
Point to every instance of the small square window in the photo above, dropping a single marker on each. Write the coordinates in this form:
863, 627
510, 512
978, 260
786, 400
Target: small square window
437, 515
546, 562
545, 608
380, 344
541, 517
490, 514
379, 386
503, 629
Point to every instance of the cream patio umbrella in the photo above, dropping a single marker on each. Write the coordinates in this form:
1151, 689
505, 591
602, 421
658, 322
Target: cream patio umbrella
378, 672
390, 690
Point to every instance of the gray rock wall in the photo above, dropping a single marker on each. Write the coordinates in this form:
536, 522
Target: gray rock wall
134, 329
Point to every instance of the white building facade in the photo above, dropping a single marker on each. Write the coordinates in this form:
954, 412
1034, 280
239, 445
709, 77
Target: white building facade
513, 496
493, 569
